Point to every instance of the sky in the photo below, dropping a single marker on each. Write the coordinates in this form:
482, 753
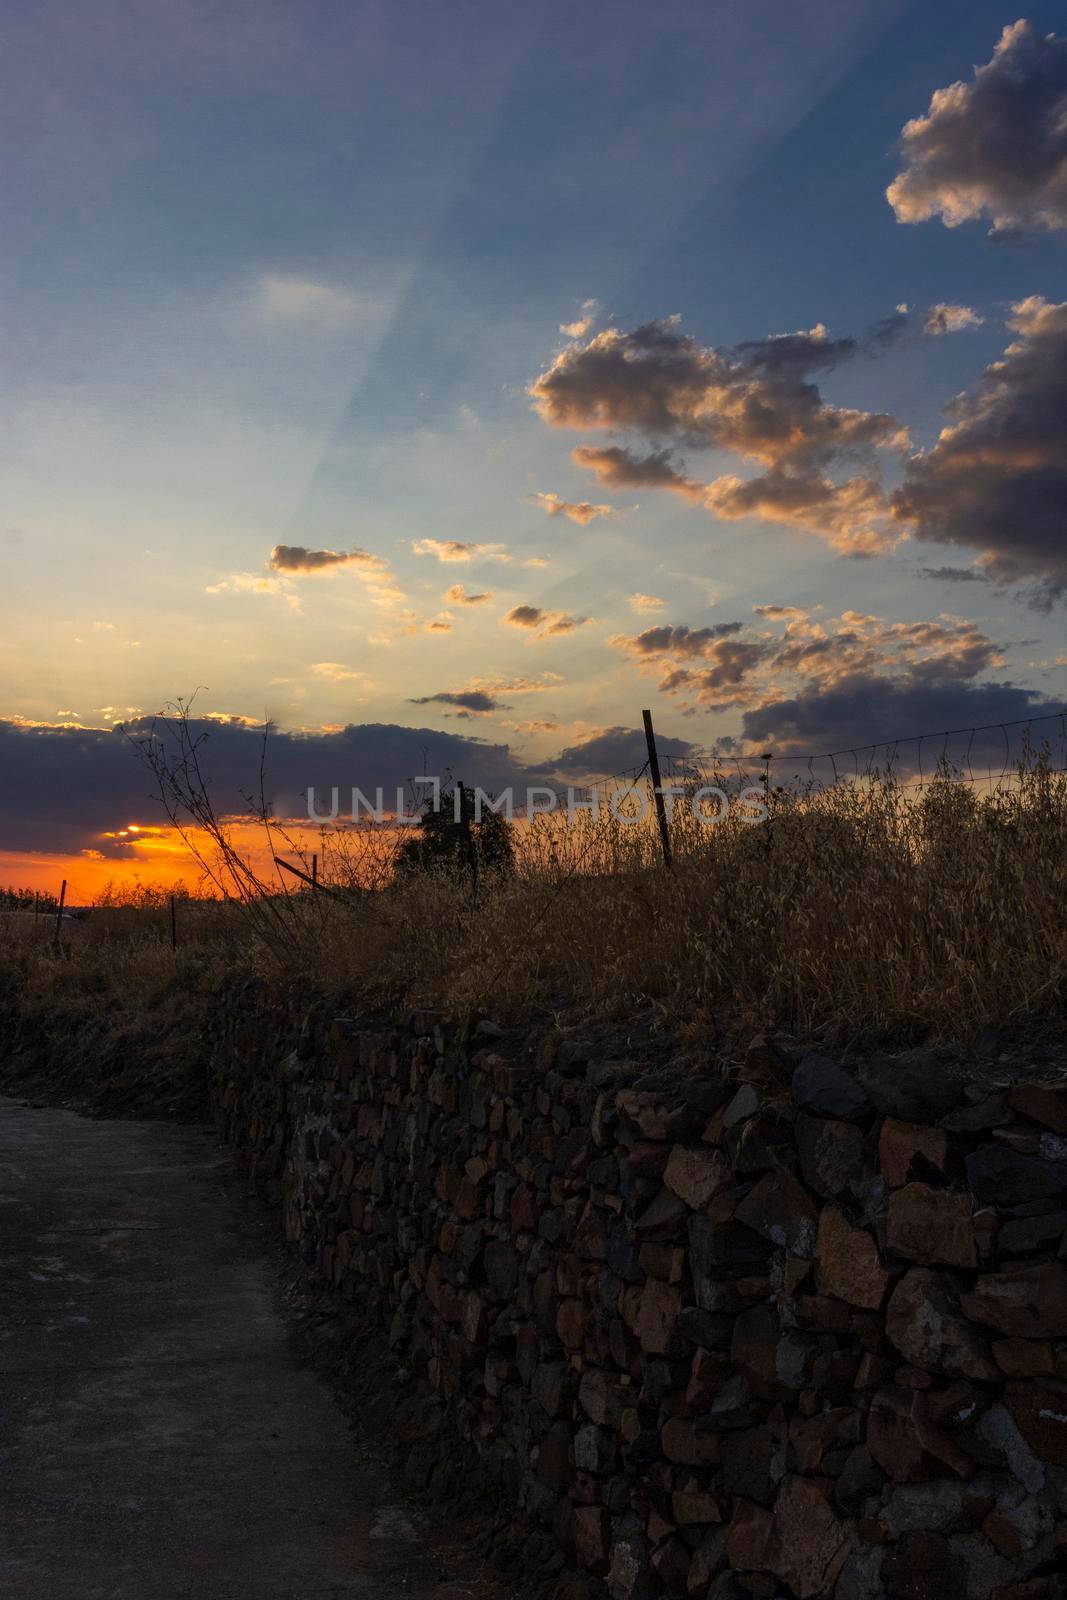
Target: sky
446, 382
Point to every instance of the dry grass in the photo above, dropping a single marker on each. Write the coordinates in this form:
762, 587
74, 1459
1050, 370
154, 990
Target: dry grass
869, 907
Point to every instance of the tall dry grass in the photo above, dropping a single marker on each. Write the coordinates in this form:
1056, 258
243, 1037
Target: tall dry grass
870, 907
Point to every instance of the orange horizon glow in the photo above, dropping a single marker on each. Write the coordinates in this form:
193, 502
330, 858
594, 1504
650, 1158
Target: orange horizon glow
163, 859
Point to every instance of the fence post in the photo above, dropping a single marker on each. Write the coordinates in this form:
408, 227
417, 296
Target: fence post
661, 812
59, 915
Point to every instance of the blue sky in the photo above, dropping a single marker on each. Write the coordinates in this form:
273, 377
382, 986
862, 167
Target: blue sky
284, 275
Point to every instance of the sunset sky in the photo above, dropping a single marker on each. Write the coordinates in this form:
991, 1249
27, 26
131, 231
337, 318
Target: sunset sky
445, 381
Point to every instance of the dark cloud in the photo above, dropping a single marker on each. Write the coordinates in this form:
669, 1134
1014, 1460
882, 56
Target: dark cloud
955, 574
543, 623
526, 616
614, 750
755, 400
61, 788
296, 558
866, 708
996, 480
458, 596
995, 147
473, 700
677, 639
618, 468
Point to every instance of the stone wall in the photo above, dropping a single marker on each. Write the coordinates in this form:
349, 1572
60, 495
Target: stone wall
793, 1331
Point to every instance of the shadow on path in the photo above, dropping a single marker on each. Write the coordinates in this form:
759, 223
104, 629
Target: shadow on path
157, 1440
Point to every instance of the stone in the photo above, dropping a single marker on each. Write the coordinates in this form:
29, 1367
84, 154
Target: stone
570, 1323
664, 1218
1040, 1412
1024, 1358
753, 1463
689, 1507
782, 1211
645, 1110
1045, 1103
590, 1529
823, 1088
1026, 1236
901, 1143
801, 1542
848, 1262
659, 1308
1028, 1302
683, 1443
628, 1572
860, 1477
923, 1566
1003, 1177
923, 1320
745, 1104
694, 1175
501, 1269
594, 1450
892, 1438
913, 1087
599, 1398
998, 1429
831, 1154
932, 1226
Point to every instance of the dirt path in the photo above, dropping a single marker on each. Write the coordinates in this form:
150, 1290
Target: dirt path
157, 1441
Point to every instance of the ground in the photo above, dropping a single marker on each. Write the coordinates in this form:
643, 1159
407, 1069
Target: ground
156, 1435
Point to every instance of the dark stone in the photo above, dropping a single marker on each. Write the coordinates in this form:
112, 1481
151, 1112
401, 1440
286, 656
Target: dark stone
753, 1463
1026, 1235
831, 1154
914, 1087
822, 1087
860, 1478
1000, 1176
703, 1328
923, 1566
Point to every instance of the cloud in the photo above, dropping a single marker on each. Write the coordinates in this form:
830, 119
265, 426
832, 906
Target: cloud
254, 583
583, 511
582, 324
737, 667
757, 401
955, 574
458, 596
677, 640
472, 702
457, 550
618, 468
905, 325
543, 623
438, 625
645, 602
297, 558
322, 307
62, 788
996, 480
995, 147
336, 671
614, 750
870, 708
852, 515
942, 319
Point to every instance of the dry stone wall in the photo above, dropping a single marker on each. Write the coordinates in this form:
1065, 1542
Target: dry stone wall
798, 1330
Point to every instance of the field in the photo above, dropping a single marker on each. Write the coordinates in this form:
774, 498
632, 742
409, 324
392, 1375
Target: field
868, 910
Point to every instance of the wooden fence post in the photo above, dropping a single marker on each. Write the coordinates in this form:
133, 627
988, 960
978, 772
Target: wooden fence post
661, 810
59, 915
